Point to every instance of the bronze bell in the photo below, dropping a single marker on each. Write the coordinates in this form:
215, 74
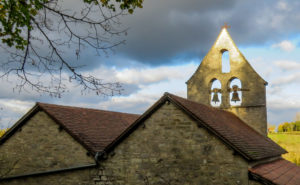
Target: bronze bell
235, 96
215, 97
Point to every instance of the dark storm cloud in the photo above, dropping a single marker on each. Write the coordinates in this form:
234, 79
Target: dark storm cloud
173, 29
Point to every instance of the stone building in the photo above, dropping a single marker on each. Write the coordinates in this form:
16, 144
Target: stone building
176, 141
252, 109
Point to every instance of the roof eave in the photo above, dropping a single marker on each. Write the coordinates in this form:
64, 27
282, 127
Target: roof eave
258, 178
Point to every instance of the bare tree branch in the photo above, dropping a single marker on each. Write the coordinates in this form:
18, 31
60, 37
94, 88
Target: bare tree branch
51, 32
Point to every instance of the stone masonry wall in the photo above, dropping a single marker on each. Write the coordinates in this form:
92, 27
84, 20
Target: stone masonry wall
40, 145
77, 177
169, 148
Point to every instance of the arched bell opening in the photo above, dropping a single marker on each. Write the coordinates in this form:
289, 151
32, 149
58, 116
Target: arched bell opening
215, 93
225, 61
235, 89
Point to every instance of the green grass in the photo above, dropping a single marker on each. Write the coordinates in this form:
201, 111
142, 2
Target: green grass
291, 143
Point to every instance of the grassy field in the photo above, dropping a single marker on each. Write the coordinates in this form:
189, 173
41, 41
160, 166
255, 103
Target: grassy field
291, 143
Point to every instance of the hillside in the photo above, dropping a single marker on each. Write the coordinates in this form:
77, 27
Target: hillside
291, 142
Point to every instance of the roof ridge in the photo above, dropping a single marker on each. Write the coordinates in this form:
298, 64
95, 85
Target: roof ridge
41, 104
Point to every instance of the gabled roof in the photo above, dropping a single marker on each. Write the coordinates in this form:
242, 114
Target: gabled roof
100, 131
231, 129
279, 172
94, 129
225, 125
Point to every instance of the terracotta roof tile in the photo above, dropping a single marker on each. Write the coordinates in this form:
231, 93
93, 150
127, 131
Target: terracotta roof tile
98, 130
232, 130
95, 129
279, 172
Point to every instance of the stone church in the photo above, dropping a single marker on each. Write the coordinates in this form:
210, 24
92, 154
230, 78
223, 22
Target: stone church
215, 136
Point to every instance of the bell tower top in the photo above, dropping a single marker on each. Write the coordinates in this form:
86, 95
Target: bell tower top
239, 88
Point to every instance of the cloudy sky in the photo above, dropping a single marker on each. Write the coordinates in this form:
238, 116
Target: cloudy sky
165, 44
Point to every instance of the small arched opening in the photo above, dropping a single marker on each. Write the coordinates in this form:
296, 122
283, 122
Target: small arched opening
215, 93
235, 87
225, 61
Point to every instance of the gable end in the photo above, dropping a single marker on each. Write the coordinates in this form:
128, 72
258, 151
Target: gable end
261, 147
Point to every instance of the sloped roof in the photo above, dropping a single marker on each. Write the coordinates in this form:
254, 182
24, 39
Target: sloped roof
279, 172
94, 129
232, 130
99, 130
225, 125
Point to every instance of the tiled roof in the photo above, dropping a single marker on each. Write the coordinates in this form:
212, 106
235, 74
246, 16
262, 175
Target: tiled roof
232, 130
95, 129
99, 130
225, 125
279, 172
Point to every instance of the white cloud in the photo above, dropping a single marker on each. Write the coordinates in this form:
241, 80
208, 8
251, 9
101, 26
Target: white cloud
284, 103
264, 68
153, 82
145, 75
139, 101
146, 85
287, 65
287, 79
285, 46
134, 103
12, 110
16, 106
191, 26
281, 5
148, 75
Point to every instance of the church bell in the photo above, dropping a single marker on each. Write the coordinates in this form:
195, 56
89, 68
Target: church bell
215, 96
235, 95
